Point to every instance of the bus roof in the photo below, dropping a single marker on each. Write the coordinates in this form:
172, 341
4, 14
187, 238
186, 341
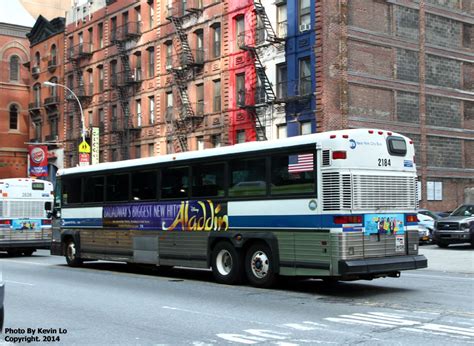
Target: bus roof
228, 150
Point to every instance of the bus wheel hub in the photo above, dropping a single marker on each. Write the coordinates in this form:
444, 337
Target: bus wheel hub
260, 264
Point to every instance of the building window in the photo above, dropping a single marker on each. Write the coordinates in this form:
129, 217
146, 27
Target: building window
200, 142
200, 99
138, 110
239, 32
101, 121
199, 46
151, 109
138, 14
169, 106
240, 89
216, 141
101, 78
91, 82
114, 155
13, 117
53, 125
304, 76
37, 94
282, 85
138, 64
151, 12
169, 54
281, 131
304, 15
216, 41
216, 105
240, 136
91, 39
114, 119
53, 55
151, 62
100, 34
38, 131
137, 151
15, 68
91, 118
282, 21
151, 150
305, 128
53, 89
113, 28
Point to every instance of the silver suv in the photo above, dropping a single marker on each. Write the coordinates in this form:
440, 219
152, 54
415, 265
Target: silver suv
456, 228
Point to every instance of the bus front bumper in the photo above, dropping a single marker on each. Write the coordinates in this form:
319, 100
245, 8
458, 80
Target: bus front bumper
370, 266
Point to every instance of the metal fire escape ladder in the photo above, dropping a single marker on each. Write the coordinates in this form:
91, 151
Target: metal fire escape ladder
181, 75
123, 87
79, 78
271, 35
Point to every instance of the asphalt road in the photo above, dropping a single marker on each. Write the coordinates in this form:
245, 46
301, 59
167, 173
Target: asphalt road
112, 303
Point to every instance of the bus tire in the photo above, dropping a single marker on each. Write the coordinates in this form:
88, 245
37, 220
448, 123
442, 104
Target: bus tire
28, 253
259, 266
13, 252
71, 256
442, 244
226, 263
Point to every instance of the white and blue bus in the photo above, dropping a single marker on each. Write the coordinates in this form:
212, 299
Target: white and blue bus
337, 205
25, 223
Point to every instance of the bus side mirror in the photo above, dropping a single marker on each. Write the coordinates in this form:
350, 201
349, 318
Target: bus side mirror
48, 206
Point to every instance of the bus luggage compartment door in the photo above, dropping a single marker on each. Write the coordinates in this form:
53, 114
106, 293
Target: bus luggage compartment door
145, 249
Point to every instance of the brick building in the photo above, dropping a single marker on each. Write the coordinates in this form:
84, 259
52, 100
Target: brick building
406, 66
46, 102
14, 83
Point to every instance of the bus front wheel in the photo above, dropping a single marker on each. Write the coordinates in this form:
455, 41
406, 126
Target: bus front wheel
226, 264
71, 255
259, 266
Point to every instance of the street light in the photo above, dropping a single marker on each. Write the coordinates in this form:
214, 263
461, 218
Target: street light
77, 99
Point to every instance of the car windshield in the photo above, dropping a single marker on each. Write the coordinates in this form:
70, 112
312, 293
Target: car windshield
430, 214
464, 210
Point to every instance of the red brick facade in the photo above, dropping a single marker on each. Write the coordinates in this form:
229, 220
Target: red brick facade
14, 119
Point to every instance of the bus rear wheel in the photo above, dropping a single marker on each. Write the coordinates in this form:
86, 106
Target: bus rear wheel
226, 264
259, 266
71, 255
28, 253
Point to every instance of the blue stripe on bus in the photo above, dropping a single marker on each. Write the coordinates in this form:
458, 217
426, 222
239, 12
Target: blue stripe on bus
89, 222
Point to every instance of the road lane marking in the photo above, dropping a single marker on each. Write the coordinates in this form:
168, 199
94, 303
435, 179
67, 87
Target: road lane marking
442, 277
448, 329
19, 283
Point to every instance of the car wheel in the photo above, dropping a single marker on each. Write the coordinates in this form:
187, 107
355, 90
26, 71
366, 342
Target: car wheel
442, 244
259, 266
226, 264
71, 255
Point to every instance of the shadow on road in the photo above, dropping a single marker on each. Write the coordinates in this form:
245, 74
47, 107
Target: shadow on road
337, 290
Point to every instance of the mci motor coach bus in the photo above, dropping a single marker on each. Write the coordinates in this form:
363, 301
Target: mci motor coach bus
338, 205
25, 223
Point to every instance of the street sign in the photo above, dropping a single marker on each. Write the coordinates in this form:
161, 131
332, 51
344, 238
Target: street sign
84, 148
84, 159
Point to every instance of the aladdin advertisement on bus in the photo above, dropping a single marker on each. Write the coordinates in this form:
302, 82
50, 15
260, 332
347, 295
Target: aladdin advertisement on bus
38, 160
184, 216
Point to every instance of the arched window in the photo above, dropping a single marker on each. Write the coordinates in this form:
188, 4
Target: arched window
13, 117
37, 59
37, 93
14, 68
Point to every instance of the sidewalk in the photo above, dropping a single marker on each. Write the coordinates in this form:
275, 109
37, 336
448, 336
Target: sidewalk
454, 259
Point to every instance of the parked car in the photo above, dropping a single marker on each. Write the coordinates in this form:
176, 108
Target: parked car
426, 219
425, 234
456, 228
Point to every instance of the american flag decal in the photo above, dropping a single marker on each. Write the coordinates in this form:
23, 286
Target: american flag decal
300, 163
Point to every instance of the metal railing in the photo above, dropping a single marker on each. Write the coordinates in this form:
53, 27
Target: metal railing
80, 50
125, 32
183, 8
36, 105
52, 100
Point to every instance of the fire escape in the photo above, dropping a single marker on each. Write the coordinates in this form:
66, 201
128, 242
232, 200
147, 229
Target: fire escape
252, 42
126, 82
76, 55
183, 69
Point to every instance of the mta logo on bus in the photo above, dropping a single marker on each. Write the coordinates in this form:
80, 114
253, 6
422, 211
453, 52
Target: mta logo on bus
353, 144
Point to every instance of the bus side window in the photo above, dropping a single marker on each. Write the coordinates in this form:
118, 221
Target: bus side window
292, 173
175, 182
247, 177
144, 185
94, 189
71, 191
117, 187
208, 180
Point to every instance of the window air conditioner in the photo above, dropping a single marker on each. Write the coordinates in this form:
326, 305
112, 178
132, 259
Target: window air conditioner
35, 70
305, 27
